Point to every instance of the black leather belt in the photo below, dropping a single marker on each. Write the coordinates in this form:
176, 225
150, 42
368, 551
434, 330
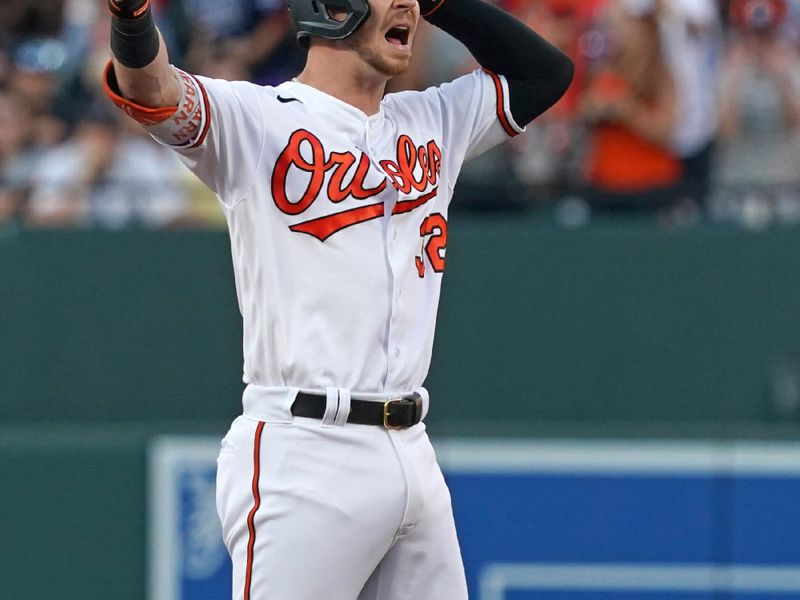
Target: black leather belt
396, 413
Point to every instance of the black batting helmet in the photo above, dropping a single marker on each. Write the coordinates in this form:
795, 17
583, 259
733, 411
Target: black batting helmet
311, 17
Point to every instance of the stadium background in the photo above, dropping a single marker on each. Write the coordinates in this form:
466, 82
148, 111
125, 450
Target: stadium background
594, 297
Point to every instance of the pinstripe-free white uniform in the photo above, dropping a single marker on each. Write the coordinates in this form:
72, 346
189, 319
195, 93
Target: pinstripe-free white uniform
338, 225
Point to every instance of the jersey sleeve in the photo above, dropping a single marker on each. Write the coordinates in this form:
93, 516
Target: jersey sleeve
217, 129
475, 113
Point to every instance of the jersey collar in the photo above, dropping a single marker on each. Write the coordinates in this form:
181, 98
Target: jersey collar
336, 112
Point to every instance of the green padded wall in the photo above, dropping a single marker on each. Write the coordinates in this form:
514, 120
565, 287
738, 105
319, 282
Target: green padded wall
614, 323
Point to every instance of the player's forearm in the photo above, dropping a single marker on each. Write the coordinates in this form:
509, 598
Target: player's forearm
538, 73
152, 85
141, 62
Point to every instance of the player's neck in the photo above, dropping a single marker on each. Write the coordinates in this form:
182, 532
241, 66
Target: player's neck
345, 76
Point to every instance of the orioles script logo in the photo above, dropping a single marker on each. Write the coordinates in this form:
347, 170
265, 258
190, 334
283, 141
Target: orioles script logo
416, 169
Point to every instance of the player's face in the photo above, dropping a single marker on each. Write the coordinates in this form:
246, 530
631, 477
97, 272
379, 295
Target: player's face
384, 41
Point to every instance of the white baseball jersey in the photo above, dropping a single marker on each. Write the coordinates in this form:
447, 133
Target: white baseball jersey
338, 220
338, 225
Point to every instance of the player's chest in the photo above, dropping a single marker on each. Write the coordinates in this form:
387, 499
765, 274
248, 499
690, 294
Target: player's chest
322, 181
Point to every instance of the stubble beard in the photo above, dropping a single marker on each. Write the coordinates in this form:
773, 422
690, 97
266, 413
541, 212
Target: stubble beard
382, 64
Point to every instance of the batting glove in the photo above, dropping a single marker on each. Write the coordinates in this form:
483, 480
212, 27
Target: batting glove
428, 7
128, 10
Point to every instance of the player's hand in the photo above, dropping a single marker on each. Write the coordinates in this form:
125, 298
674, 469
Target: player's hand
128, 9
428, 7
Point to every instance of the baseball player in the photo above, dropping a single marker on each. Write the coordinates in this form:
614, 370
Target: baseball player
337, 199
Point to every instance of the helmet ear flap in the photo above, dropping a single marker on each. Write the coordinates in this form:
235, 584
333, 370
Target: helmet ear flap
312, 17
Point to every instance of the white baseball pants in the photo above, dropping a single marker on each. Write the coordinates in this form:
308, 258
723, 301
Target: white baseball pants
324, 510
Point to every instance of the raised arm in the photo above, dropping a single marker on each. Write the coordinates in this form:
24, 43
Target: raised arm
184, 111
538, 74
141, 64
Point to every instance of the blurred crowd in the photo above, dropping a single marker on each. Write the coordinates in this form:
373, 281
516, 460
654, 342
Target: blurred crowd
684, 109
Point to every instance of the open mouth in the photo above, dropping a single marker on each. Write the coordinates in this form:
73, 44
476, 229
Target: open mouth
398, 36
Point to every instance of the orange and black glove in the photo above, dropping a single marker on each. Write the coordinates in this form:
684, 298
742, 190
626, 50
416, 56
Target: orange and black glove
428, 7
129, 10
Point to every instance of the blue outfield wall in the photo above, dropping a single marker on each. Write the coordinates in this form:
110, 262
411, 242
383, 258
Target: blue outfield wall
553, 520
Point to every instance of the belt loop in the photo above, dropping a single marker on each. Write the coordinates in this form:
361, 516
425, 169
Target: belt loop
344, 408
426, 400
331, 406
